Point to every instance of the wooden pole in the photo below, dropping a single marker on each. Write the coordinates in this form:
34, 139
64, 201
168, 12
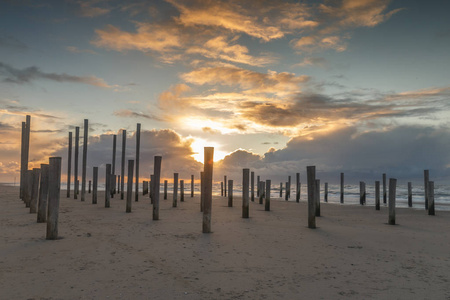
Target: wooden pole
257, 186
89, 189
430, 190
113, 164
152, 188
267, 198
281, 190
392, 193
107, 185
156, 182
27, 187
165, 189
95, 184
221, 188
34, 190
262, 191
83, 170
25, 148
181, 190
377, 195
69, 164
54, 188
426, 179
252, 186
112, 184
297, 187
118, 184
175, 189
202, 190
245, 193
225, 185
325, 196
362, 193
138, 149
342, 188
122, 179
311, 178
317, 197
22, 160
43, 194
75, 164
144, 187
208, 178
289, 188
192, 185
230, 193
384, 189
130, 185
409, 194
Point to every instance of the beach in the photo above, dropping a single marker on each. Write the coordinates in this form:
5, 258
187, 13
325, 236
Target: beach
106, 253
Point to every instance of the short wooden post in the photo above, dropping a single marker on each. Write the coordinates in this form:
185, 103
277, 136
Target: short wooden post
69, 164
225, 186
152, 188
130, 185
409, 194
155, 188
112, 184
281, 190
43, 194
252, 186
122, 182
175, 189
181, 190
192, 186
27, 187
392, 194
83, 167
267, 198
317, 197
138, 149
89, 189
208, 178
202, 191
384, 189
431, 211
230, 193
311, 179
297, 187
245, 193
426, 179
95, 184
325, 196
34, 190
262, 191
75, 164
289, 184
118, 184
342, 188
145, 188
107, 185
362, 193
54, 188
377, 195
165, 189
257, 186
221, 188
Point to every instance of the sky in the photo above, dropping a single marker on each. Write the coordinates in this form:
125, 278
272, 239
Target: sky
354, 86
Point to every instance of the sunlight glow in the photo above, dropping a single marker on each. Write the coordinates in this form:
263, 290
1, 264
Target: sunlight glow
198, 145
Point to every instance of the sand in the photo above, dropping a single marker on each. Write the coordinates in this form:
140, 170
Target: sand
105, 253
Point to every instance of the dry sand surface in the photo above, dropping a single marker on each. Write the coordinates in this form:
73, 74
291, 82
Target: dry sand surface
105, 253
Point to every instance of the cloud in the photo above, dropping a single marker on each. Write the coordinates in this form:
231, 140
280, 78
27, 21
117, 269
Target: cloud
74, 49
8, 41
314, 61
23, 76
126, 113
90, 9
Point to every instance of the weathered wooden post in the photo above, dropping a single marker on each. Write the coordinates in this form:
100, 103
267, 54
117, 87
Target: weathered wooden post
225, 185
192, 185
118, 184
26, 126
107, 185
34, 190
257, 186
281, 190
208, 178
252, 186
409, 194
289, 189
377, 195
317, 197
138, 149
83, 170
342, 188
22, 153
431, 211
175, 189
75, 163
43, 194
262, 191
202, 190
426, 179
144, 187
297, 187
245, 193
113, 164
27, 187
95, 184
392, 194
267, 198
54, 187
325, 195
89, 189
69, 164
155, 187
112, 183
181, 190
130, 185
152, 188
362, 193
230, 193
221, 188
311, 179
384, 189
122, 180
165, 189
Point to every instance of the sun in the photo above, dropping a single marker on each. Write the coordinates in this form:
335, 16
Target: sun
198, 145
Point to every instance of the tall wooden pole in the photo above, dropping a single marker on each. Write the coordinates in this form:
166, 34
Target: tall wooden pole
281, 190
257, 186
138, 147
426, 179
22, 159
75, 164
155, 188
325, 196
43, 194
377, 195
25, 150
317, 197
69, 164
342, 188
267, 198
34, 190
192, 185
122, 179
297, 187
431, 211
230, 193
165, 189
208, 178
202, 190
113, 170
245, 193
384, 189
107, 185
225, 185
175, 189
54, 188
95, 184
83, 171
392, 193
129, 185
409, 194
182, 190
311, 178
